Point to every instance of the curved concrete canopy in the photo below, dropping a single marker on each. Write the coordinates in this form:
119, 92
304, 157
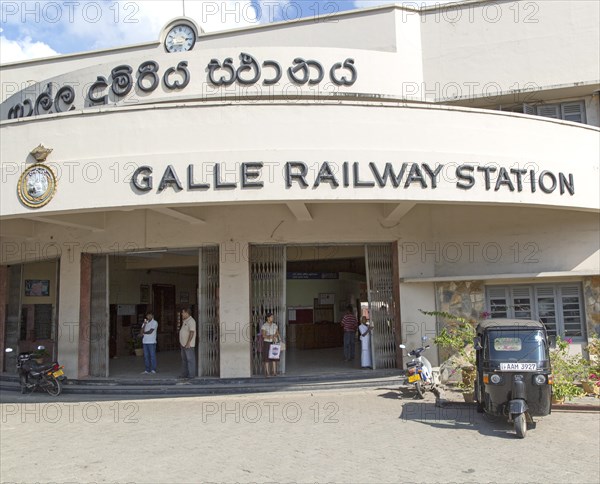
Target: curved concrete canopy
248, 152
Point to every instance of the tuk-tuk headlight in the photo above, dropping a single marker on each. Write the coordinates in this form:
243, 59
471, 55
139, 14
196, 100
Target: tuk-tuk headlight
539, 379
495, 379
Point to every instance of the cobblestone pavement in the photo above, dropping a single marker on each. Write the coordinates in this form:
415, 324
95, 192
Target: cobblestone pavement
371, 435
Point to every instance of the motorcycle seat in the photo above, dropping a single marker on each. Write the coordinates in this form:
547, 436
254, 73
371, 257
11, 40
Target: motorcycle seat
37, 369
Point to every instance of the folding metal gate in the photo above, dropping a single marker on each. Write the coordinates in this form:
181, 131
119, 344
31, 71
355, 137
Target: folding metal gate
13, 316
267, 294
208, 312
382, 309
98, 337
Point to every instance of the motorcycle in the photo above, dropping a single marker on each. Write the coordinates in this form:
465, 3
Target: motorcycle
419, 371
47, 376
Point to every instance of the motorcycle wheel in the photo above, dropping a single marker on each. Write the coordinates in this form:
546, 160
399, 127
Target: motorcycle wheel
53, 386
420, 390
521, 425
25, 388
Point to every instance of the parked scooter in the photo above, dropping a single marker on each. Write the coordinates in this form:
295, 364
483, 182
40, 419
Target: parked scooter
33, 375
419, 371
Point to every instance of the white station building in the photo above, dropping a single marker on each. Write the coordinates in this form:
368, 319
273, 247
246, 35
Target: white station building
390, 158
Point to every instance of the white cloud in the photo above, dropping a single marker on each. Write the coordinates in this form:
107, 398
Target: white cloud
126, 22
88, 25
18, 50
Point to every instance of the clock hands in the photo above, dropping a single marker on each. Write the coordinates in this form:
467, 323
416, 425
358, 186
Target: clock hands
180, 38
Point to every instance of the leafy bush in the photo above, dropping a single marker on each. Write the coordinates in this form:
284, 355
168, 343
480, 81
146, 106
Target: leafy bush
593, 348
40, 355
457, 338
566, 370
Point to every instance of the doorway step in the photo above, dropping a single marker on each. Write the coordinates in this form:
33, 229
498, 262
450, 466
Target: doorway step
159, 387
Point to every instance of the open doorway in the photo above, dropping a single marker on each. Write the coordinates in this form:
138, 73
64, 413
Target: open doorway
307, 289
321, 282
161, 282
125, 287
31, 307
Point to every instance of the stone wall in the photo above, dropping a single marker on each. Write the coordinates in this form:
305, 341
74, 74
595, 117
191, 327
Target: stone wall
465, 298
591, 297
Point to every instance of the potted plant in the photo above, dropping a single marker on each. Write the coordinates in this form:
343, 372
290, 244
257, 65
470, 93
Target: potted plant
591, 385
457, 339
135, 347
40, 355
566, 370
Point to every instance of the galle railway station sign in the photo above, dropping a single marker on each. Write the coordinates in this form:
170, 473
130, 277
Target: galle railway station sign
149, 76
37, 184
400, 176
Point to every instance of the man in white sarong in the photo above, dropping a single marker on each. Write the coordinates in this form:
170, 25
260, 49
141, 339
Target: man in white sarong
365, 343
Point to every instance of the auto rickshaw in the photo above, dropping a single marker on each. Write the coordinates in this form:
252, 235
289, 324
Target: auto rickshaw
514, 378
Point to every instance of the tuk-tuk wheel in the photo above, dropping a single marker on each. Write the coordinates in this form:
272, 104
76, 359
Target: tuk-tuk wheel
521, 425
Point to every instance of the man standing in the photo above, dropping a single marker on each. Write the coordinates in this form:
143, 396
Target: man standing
349, 323
187, 340
149, 330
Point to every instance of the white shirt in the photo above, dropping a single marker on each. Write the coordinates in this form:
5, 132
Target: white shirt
150, 339
269, 330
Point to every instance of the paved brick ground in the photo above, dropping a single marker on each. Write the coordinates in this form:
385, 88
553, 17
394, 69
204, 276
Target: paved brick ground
373, 435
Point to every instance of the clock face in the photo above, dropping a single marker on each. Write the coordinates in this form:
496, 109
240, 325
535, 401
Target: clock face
180, 38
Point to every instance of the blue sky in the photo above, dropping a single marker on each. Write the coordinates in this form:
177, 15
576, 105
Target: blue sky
32, 29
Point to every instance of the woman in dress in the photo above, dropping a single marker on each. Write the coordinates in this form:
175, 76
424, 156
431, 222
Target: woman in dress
365, 343
270, 334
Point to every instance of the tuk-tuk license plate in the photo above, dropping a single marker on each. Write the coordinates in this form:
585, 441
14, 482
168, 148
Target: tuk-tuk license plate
58, 373
518, 366
414, 378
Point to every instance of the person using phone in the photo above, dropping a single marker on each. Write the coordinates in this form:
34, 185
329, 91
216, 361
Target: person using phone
148, 332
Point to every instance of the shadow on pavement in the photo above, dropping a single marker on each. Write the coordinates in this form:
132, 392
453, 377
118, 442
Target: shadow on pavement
399, 393
457, 416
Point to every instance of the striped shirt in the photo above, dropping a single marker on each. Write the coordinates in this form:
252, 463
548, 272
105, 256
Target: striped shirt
350, 323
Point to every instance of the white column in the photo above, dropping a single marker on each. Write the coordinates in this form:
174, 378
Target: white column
234, 310
415, 296
68, 312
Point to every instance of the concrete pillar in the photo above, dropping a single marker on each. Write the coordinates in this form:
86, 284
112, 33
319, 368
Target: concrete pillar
85, 295
234, 310
3, 300
415, 324
68, 312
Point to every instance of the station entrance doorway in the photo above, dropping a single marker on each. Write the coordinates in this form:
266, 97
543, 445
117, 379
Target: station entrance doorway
308, 287
29, 300
123, 287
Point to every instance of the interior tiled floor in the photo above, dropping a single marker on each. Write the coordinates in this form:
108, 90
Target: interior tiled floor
298, 363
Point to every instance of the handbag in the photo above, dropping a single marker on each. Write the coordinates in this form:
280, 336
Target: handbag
274, 351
